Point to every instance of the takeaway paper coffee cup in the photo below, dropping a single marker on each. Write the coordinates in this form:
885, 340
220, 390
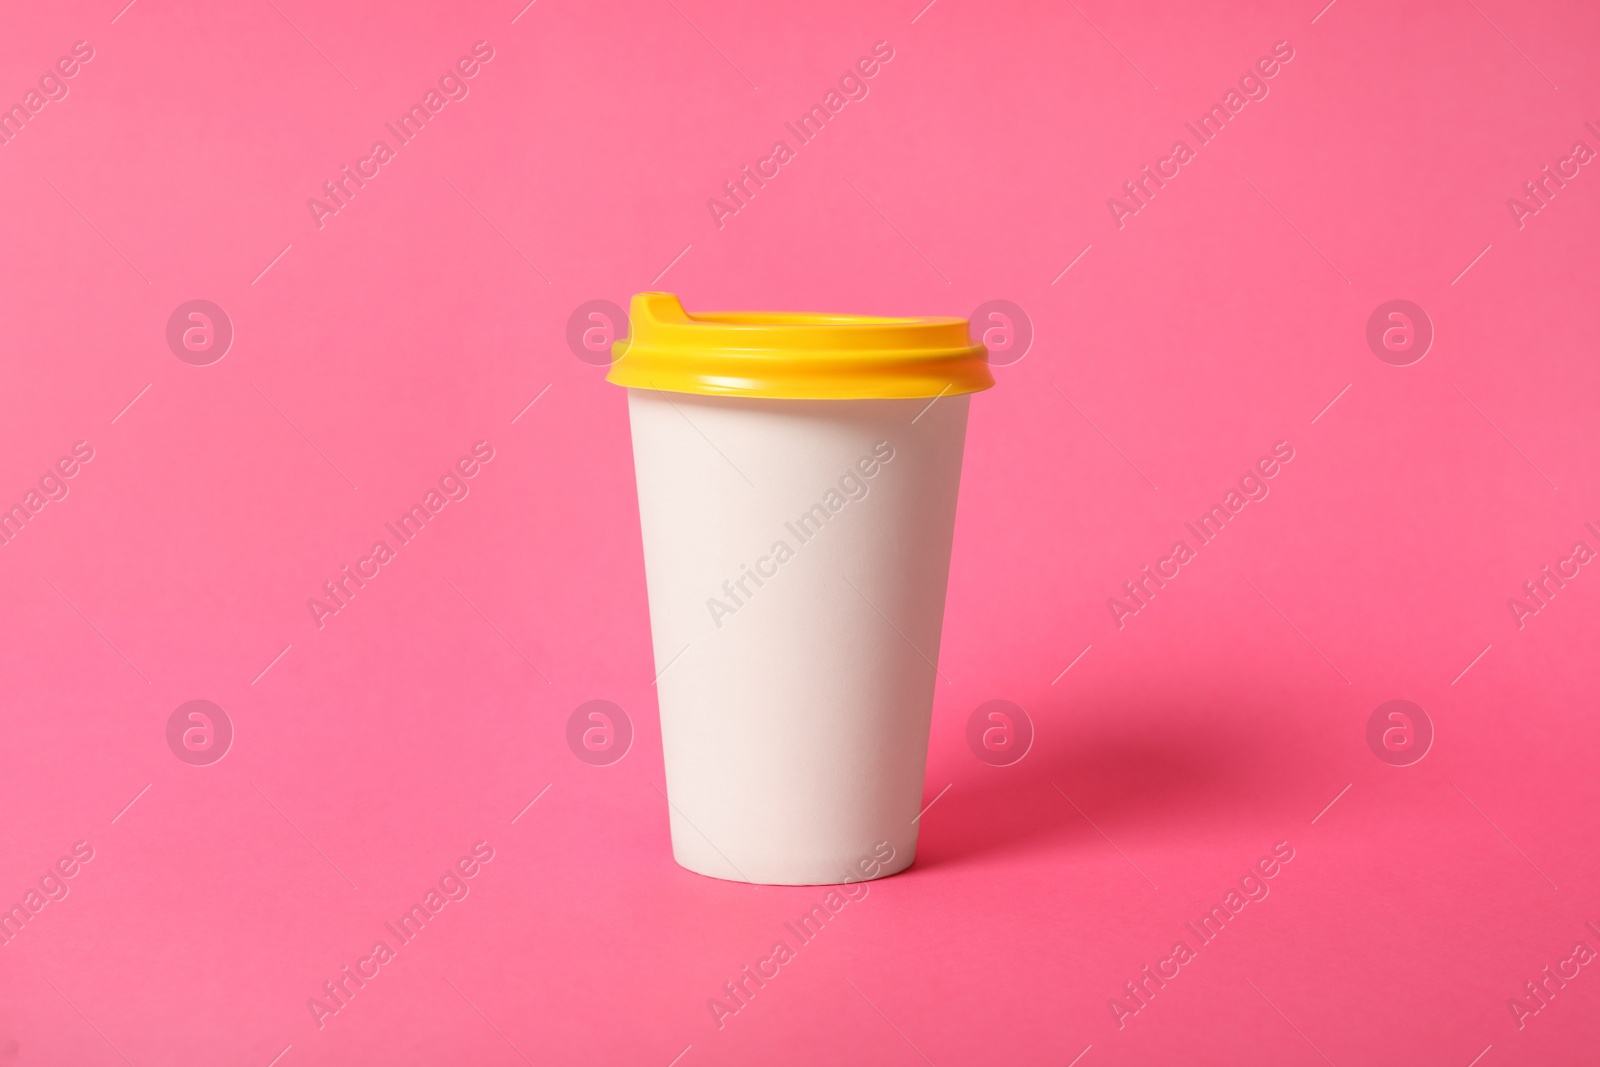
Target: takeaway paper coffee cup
797, 480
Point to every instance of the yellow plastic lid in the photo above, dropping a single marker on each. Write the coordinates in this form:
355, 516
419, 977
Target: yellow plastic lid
795, 355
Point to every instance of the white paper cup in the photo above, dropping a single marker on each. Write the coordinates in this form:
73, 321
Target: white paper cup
796, 556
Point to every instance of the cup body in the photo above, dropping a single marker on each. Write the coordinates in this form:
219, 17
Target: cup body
796, 558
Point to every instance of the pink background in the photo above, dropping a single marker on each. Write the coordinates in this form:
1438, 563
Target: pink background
424, 717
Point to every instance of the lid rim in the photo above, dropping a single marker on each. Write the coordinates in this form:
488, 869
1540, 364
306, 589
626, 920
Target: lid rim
796, 355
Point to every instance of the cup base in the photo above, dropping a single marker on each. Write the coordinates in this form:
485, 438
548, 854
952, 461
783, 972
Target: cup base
841, 873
